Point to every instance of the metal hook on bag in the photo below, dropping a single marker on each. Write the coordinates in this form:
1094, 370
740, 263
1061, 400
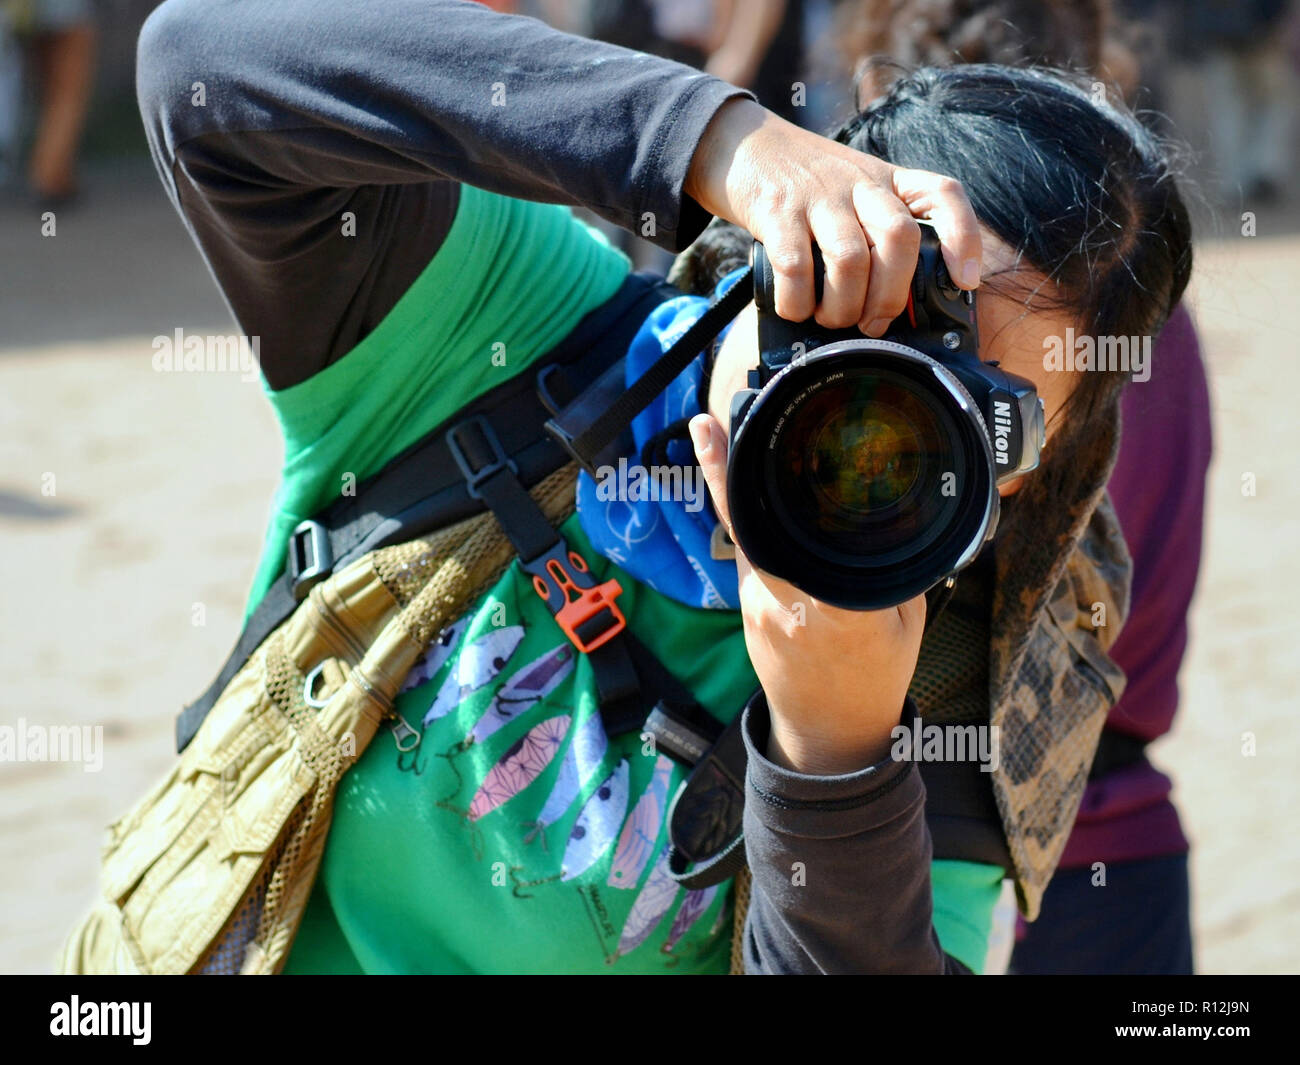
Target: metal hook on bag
309, 686
406, 738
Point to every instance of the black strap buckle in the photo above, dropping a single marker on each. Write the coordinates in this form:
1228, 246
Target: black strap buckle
564, 437
478, 452
310, 558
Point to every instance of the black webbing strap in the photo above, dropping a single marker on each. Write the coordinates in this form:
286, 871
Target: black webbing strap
705, 823
276, 605
587, 427
584, 610
422, 489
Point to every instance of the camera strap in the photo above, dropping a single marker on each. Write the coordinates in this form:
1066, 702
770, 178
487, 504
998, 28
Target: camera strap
589, 425
705, 822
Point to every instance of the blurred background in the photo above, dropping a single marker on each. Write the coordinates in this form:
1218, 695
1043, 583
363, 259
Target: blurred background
132, 502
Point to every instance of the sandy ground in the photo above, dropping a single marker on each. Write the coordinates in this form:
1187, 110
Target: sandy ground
1240, 677
161, 482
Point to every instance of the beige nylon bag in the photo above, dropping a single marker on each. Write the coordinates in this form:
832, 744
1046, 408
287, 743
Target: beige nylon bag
211, 871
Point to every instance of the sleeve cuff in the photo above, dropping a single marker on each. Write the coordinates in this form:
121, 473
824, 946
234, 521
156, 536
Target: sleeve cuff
670, 159
824, 806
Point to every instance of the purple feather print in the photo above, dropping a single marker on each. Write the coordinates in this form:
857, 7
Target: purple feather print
655, 900
636, 844
692, 909
598, 821
520, 765
525, 690
582, 759
477, 664
436, 655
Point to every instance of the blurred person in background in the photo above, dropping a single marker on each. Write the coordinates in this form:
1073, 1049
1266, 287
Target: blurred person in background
757, 45
1250, 91
1078, 35
11, 91
60, 40
1145, 30
1120, 900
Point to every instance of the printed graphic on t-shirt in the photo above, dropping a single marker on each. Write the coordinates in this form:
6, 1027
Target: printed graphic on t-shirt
546, 827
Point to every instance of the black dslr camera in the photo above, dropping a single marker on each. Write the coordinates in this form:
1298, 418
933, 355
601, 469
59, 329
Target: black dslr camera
865, 472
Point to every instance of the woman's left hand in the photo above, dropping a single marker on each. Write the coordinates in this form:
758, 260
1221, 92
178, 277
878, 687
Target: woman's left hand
835, 679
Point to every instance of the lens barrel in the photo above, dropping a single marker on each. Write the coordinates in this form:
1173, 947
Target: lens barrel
862, 474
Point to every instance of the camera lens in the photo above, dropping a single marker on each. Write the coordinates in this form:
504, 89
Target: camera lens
858, 467
862, 474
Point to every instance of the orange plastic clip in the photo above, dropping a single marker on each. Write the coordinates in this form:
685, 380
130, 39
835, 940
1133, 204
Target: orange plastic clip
580, 604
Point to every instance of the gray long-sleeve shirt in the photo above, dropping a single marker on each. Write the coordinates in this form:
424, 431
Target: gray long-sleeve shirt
270, 118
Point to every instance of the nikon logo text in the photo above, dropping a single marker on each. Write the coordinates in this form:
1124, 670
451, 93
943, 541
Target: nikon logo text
1001, 430
102, 1018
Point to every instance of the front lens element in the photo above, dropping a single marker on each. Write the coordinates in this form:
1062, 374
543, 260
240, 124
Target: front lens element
859, 467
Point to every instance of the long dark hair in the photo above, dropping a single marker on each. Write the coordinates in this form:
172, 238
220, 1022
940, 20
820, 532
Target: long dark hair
1079, 187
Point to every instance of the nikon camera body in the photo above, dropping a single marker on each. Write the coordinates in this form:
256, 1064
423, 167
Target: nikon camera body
865, 472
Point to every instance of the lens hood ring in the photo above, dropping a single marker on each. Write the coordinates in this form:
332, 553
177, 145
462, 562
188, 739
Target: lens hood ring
761, 515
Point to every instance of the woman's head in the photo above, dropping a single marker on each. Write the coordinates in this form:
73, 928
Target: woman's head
1084, 226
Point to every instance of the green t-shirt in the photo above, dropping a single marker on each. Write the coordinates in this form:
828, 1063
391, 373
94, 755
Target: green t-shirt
518, 837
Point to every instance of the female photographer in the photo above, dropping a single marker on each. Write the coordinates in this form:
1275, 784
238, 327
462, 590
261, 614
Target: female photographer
374, 190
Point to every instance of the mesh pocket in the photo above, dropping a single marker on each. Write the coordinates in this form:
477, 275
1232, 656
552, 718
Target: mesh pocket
227, 957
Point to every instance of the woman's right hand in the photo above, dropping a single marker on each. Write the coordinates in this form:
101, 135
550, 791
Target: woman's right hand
835, 680
791, 188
